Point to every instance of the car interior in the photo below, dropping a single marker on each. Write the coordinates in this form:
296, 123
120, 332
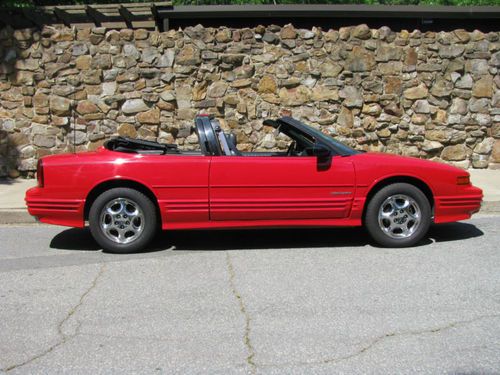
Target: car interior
214, 141
298, 146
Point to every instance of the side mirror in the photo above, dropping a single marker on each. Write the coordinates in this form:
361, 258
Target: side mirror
324, 156
321, 151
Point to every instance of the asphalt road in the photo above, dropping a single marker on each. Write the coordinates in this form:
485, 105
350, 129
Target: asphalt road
274, 301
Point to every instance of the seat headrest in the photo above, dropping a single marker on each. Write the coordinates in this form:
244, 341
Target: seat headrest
231, 138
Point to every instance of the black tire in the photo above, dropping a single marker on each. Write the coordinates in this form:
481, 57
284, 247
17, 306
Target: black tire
109, 225
390, 223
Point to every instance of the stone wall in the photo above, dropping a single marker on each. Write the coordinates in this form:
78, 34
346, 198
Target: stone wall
430, 95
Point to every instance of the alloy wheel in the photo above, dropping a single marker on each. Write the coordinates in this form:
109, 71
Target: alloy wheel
399, 216
122, 220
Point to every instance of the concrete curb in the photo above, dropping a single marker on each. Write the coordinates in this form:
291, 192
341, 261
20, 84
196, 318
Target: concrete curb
490, 208
16, 216
19, 216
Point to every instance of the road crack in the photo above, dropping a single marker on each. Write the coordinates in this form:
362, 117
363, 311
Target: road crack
244, 312
386, 336
63, 337
379, 339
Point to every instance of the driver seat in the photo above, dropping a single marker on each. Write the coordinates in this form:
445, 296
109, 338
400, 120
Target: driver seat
231, 142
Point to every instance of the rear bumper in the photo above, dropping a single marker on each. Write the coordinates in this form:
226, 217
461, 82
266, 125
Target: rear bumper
46, 209
458, 207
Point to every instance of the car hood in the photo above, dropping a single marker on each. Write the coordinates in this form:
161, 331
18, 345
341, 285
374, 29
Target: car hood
378, 159
381, 165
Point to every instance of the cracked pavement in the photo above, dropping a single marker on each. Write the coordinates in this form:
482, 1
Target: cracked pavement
253, 302
64, 336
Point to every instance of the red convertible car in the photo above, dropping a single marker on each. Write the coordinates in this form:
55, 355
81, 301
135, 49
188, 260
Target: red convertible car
130, 188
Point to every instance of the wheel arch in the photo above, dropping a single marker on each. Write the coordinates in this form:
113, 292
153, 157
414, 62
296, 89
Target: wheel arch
119, 183
418, 183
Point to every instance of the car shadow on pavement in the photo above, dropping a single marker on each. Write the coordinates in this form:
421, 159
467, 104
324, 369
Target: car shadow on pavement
213, 240
263, 238
453, 232
74, 239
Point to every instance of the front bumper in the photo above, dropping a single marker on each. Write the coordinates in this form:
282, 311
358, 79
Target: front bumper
46, 208
458, 207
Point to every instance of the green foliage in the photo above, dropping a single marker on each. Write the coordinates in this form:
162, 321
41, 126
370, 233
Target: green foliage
31, 3
371, 2
16, 3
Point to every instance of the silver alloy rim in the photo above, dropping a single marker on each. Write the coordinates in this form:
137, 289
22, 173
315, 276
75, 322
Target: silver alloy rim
122, 220
399, 216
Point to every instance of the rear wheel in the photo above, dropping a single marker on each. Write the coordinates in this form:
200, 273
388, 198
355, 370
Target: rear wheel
122, 220
398, 215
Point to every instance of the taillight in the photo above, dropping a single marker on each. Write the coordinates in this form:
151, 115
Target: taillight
39, 173
463, 180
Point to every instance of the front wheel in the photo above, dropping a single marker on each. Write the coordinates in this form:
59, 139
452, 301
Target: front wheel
122, 220
398, 215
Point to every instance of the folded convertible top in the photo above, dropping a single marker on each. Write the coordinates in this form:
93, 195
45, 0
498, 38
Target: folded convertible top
141, 146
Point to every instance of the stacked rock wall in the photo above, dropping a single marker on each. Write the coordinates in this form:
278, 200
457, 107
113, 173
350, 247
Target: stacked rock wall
430, 95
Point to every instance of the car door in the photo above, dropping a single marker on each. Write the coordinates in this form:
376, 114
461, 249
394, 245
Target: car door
280, 188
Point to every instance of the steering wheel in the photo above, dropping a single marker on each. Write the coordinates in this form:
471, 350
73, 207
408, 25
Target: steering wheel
291, 148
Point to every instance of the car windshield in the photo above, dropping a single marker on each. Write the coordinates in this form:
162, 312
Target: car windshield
340, 147
337, 146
